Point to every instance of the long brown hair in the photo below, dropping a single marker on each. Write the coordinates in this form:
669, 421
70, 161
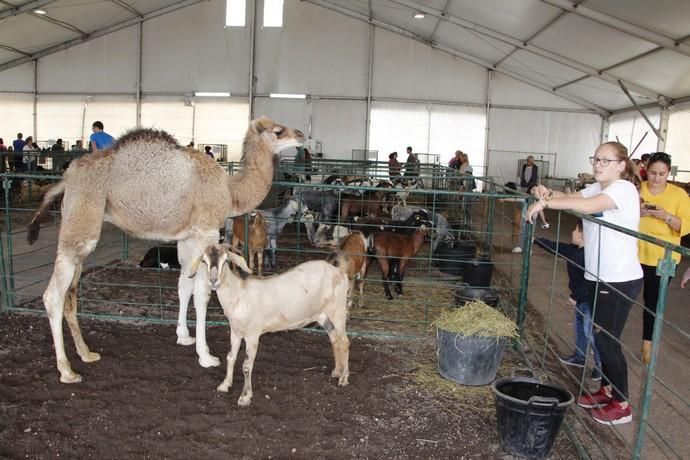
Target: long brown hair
622, 154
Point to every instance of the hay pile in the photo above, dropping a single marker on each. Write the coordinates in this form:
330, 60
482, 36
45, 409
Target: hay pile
477, 319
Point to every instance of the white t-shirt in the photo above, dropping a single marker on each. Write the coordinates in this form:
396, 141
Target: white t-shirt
618, 251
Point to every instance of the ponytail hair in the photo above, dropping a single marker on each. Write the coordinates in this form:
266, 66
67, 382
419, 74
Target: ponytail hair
622, 155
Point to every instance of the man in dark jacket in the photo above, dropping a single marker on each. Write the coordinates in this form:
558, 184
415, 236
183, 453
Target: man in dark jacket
529, 175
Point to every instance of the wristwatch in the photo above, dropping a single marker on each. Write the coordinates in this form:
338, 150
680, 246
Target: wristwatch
668, 219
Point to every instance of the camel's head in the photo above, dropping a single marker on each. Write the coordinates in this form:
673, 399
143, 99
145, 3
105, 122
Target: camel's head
276, 137
217, 259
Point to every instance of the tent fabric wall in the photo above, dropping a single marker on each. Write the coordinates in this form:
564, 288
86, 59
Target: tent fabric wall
514, 134
170, 114
106, 65
406, 69
291, 60
678, 140
191, 50
631, 128
339, 125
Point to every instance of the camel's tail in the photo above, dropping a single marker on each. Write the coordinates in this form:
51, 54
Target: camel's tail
34, 226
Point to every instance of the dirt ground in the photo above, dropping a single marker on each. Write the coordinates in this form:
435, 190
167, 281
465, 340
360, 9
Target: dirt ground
148, 398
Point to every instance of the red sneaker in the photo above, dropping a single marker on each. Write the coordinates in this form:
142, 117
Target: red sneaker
613, 414
594, 400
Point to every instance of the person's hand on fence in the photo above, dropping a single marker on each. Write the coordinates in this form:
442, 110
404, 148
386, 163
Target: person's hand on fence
541, 192
686, 278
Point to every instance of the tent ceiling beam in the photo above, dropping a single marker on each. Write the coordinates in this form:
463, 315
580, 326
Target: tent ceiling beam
14, 50
128, 7
23, 8
621, 25
457, 53
59, 23
535, 35
438, 21
644, 115
479, 29
99, 33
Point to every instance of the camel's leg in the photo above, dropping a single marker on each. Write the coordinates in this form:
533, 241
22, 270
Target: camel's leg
71, 316
235, 343
190, 250
202, 295
56, 293
54, 300
251, 344
185, 288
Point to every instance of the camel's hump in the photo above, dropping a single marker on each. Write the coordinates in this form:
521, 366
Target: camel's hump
145, 135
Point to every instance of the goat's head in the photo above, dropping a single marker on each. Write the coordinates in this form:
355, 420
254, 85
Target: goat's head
422, 219
277, 137
217, 259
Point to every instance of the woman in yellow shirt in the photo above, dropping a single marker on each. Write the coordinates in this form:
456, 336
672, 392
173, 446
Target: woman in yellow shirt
665, 214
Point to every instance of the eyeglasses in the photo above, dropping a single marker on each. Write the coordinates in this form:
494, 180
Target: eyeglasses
659, 156
602, 161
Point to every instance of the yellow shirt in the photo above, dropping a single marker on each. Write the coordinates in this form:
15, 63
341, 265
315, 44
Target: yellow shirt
675, 201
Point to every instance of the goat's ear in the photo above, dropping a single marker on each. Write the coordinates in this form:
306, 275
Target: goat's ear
239, 261
195, 267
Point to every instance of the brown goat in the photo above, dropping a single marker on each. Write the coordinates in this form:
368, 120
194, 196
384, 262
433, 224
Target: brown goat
257, 238
393, 251
352, 255
371, 204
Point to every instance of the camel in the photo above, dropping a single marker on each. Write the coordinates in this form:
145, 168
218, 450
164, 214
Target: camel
152, 188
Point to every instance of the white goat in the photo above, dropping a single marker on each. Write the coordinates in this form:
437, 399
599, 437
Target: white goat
312, 291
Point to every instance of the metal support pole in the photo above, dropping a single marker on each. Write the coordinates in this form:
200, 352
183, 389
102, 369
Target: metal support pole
665, 270
370, 77
663, 129
5, 305
524, 277
487, 129
35, 111
634, 103
140, 54
7, 184
252, 52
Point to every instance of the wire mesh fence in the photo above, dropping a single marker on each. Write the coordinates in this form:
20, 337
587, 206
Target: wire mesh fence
472, 239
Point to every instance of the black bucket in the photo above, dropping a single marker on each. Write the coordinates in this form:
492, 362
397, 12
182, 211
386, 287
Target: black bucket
465, 293
468, 360
452, 260
478, 272
529, 415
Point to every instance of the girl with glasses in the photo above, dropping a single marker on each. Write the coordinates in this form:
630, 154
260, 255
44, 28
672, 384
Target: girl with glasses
665, 214
612, 268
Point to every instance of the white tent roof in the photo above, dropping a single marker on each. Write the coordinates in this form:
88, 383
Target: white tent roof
584, 51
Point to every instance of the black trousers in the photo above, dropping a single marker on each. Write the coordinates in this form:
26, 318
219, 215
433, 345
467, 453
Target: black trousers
651, 296
613, 303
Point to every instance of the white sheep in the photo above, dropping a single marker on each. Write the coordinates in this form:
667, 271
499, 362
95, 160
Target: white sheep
312, 291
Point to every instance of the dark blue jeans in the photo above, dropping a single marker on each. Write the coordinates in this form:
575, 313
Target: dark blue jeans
584, 333
611, 309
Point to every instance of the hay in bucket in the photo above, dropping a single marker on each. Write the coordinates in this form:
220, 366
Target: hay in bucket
477, 319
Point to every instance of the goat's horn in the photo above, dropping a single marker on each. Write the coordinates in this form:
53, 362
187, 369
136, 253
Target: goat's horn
194, 267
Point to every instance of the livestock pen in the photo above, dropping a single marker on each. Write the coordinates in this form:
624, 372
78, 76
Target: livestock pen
531, 288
